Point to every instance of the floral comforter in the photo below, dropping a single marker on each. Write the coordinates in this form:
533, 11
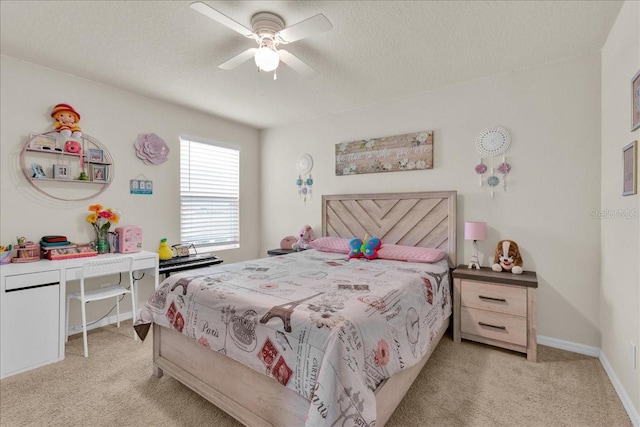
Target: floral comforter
329, 327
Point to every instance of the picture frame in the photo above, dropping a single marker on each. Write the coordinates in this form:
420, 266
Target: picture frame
630, 169
99, 173
38, 172
397, 153
635, 102
95, 155
61, 172
43, 142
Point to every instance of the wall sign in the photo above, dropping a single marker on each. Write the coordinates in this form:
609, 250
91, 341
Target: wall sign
412, 151
140, 186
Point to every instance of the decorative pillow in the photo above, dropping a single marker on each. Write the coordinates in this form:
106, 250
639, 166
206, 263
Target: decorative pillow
331, 244
411, 253
368, 249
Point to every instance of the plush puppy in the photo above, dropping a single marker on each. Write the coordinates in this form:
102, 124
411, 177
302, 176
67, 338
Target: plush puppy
507, 257
305, 237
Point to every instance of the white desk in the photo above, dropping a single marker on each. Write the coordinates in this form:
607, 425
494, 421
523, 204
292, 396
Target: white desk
32, 308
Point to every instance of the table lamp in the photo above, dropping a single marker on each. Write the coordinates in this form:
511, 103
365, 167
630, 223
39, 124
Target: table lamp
475, 231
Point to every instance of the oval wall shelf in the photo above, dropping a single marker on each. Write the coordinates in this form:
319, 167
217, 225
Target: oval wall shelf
66, 168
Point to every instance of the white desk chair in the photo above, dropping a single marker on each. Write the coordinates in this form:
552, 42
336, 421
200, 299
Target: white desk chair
102, 267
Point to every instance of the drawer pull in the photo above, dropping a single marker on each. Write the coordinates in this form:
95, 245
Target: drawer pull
492, 299
502, 328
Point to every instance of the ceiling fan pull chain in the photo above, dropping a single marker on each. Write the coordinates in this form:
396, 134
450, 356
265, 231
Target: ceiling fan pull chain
275, 75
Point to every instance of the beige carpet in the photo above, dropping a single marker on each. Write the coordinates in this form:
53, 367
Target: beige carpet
464, 384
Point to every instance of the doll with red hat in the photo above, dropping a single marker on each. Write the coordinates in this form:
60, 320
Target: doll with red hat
66, 120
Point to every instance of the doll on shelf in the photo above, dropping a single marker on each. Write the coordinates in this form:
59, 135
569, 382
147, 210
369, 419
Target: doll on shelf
66, 120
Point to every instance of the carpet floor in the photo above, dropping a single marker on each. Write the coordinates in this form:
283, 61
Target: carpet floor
466, 384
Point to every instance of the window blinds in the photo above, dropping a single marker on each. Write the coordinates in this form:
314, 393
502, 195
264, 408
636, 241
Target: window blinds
209, 193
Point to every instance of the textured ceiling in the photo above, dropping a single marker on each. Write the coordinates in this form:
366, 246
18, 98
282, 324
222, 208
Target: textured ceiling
376, 51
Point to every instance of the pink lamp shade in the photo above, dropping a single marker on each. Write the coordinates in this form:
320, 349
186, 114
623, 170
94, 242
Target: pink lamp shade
474, 230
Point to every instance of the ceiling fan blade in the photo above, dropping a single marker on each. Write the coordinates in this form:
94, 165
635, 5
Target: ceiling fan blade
238, 59
297, 64
309, 27
210, 12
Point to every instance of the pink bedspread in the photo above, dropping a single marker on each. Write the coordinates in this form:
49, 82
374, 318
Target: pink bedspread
328, 327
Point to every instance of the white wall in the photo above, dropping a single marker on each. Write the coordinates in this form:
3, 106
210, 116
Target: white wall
620, 289
114, 117
553, 113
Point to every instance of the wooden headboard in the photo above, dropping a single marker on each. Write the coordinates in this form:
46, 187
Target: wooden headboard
425, 219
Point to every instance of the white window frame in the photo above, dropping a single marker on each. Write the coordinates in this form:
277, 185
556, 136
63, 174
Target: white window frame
215, 180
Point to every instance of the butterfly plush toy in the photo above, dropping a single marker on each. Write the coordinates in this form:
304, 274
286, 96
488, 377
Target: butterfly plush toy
368, 248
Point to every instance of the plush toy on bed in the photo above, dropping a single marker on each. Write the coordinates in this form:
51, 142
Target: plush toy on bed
368, 248
305, 237
507, 257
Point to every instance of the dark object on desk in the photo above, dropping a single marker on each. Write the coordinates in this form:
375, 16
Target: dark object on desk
174, 265
54, 239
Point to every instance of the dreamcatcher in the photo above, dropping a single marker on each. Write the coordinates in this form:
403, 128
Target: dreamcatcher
304, 181
491, 143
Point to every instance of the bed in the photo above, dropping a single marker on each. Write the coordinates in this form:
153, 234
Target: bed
307, 358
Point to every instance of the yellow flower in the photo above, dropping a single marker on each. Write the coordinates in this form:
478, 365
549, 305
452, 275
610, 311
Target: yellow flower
102, 218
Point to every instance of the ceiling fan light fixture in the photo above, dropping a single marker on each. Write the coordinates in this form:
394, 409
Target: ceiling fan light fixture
267, 59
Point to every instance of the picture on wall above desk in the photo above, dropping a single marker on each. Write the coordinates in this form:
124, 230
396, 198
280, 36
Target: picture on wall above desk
140, 186
399, 153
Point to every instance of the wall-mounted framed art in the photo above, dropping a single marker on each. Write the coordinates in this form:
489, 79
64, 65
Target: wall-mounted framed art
630, 169
635, 102
412, 151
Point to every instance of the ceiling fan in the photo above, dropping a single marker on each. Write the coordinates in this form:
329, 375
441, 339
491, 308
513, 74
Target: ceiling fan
269, 32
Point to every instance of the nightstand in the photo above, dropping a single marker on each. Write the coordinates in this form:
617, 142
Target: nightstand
276, 252
496, 308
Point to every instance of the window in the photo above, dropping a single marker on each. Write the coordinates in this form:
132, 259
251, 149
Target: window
209, 193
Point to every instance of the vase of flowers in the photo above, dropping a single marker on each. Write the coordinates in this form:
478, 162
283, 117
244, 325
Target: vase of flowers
101, 220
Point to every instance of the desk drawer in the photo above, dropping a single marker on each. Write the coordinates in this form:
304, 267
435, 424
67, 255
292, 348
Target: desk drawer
29, 280
498, 298
498, 326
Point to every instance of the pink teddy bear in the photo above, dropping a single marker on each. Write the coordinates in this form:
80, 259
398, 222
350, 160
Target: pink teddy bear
305, 237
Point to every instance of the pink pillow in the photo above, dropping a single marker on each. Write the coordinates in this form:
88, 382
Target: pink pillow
331, 244
411, 253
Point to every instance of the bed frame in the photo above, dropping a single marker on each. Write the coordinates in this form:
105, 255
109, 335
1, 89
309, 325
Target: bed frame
426, 219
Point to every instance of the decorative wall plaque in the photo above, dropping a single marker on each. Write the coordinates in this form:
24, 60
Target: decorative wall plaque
412, 151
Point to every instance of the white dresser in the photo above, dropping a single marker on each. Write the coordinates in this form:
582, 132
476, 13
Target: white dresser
32, 308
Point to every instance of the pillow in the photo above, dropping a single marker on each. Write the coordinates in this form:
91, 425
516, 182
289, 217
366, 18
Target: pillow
411, 253
331, 244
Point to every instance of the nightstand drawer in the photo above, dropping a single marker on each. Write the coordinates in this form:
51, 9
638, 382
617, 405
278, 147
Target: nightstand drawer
497, 326
498, 298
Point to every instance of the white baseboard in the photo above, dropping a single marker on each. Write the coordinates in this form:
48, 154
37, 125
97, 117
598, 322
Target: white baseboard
622, 393
595, 352
573, 347
77, 329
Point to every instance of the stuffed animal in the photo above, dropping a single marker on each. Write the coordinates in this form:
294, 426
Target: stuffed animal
305, 237
507, 257
368, 248
66, 120
288, 242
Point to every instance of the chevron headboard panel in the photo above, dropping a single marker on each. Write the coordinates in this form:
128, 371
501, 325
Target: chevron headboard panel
426, 219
